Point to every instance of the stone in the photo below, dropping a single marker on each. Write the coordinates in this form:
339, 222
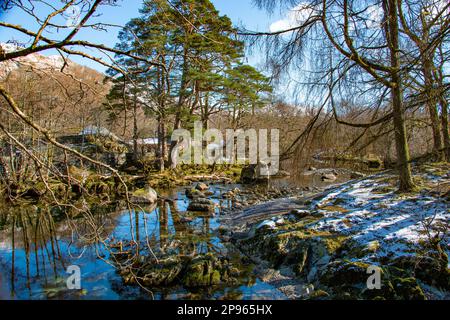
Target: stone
254, 173
431, 268
268, 224
163, 273
319, 295
356, 175
345, 273
202, 186
300, 214
193, 193
408, 289
144, 196
205, 271
328, 177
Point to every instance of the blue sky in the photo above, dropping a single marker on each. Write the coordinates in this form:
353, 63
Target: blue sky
241, 12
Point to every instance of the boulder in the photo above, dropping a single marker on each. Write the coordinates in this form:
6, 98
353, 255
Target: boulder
431, 268
202, 186
208, 193
228, 195
329, 177
204, 270
408, 289
254, 173
144, 196
300, 214
194, 193
163, 273
345, 273
356, 175
209, 270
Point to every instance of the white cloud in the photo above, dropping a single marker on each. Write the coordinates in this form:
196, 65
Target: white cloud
438, 7
294, 17
374, 15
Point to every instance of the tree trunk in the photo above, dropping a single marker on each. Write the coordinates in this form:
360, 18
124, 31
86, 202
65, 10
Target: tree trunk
430, 94
444, 121
181, 99
401, 142
432, 109
135, 133
161, 143
205, 113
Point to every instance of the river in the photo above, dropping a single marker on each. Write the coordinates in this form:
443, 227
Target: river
34, 258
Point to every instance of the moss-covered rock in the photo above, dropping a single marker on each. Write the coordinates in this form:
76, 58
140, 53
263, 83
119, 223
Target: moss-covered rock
431, 268
201, 186
203, 271
194, 193
319, 295
345, 273
306, 251
144, 196
408, 289
163, 273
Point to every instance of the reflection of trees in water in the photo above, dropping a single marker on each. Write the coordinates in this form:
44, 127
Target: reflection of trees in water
184, 236
41, 247
34, 232
45, 240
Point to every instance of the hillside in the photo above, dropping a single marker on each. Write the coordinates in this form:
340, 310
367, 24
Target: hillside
64, 95
58, 93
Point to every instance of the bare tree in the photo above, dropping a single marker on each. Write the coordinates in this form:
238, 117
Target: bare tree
351, 39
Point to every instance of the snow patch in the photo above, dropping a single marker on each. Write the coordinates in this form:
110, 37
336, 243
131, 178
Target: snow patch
398, 223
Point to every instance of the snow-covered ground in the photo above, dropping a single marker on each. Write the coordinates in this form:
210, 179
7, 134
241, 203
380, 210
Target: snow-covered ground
374, 215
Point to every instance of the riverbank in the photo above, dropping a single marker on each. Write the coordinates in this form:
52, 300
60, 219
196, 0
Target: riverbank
322, 245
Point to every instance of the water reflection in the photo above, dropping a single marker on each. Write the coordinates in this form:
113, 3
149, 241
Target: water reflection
37, 245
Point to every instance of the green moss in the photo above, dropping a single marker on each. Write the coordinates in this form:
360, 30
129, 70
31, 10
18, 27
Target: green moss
319, 295
334, 209
140, 193
301, 234
384, 190
345, 273
215, 277
408, 289
334, 242
300, 225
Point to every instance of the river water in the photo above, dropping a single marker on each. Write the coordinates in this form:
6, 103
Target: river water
34, 258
